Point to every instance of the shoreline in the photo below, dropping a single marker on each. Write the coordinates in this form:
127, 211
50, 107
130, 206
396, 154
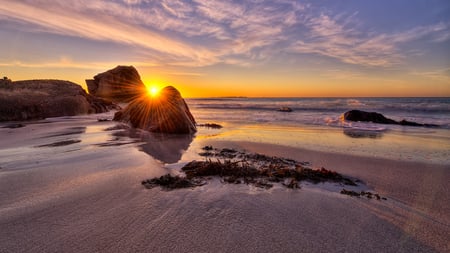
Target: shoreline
392, 145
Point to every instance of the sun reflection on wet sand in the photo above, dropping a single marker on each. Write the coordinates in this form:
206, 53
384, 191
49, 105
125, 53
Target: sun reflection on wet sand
391, 144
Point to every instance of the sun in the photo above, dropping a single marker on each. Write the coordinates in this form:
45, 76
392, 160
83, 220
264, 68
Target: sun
153, 90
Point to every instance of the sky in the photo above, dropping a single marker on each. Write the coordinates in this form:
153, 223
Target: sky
255, 48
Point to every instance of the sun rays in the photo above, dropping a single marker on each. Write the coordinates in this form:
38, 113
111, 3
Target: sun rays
165, 113
153, 90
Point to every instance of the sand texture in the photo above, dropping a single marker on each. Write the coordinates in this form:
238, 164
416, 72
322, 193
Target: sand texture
85, 195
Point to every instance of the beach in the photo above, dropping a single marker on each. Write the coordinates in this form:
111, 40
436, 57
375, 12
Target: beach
73, 184
224, 126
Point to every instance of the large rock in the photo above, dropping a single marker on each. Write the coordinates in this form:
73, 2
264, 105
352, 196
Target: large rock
166, 112
38, 99
357, 115
121, 84
363, 116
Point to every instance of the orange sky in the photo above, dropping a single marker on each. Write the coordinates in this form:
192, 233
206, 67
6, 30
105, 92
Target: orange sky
236, 48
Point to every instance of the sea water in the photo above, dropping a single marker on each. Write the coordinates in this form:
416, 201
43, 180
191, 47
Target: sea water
314, 124
317, 124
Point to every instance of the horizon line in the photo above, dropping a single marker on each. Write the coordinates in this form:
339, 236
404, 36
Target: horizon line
262, 97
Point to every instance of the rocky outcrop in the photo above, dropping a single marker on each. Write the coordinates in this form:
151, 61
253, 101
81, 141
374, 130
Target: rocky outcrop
5, 81
38, 99
284, 109
121, 84
363, 116
165, 113
357, 115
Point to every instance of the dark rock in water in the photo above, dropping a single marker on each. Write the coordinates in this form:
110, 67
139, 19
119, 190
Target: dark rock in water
410, 123
284, 109
165, 113
357, 115
38, 99
210, 125
121, 84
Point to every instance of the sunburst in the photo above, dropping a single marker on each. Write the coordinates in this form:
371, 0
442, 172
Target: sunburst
153, 90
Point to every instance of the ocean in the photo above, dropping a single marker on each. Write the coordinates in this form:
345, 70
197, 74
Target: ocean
320, 111
316, 123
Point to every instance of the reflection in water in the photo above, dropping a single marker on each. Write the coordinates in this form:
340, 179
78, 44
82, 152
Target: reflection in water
358, 133
167, 148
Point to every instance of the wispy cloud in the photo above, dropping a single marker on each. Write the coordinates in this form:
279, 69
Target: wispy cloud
97, 26
330, 36
65, 63
199, 33
441, 75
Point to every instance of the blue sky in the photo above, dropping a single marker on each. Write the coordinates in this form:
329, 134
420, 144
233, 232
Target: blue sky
253, 47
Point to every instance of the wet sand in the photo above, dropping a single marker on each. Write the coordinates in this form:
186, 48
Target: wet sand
83, 197
418, 192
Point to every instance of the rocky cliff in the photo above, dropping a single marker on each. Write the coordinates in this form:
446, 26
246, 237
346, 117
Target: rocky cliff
38, 99
121, 84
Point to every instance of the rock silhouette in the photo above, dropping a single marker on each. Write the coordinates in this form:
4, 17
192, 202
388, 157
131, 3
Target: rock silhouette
39, 99
121, 84
284, 109
357, 115
165, 113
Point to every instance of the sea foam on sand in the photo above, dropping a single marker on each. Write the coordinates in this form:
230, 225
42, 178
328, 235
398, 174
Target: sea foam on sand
86, 196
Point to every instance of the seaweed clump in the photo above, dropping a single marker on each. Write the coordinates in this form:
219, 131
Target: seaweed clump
366, 194
172, 182
237, 167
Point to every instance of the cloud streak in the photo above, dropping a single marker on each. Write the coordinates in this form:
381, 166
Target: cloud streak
58, 19
65, 63
201, 33
330, 37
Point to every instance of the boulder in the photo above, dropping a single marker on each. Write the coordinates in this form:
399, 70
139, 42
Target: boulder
363, 116
166, 112
357, 115
121, 84
38, 99
284, 109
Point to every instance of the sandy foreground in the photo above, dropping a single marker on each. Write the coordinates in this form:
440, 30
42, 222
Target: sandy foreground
87, 197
